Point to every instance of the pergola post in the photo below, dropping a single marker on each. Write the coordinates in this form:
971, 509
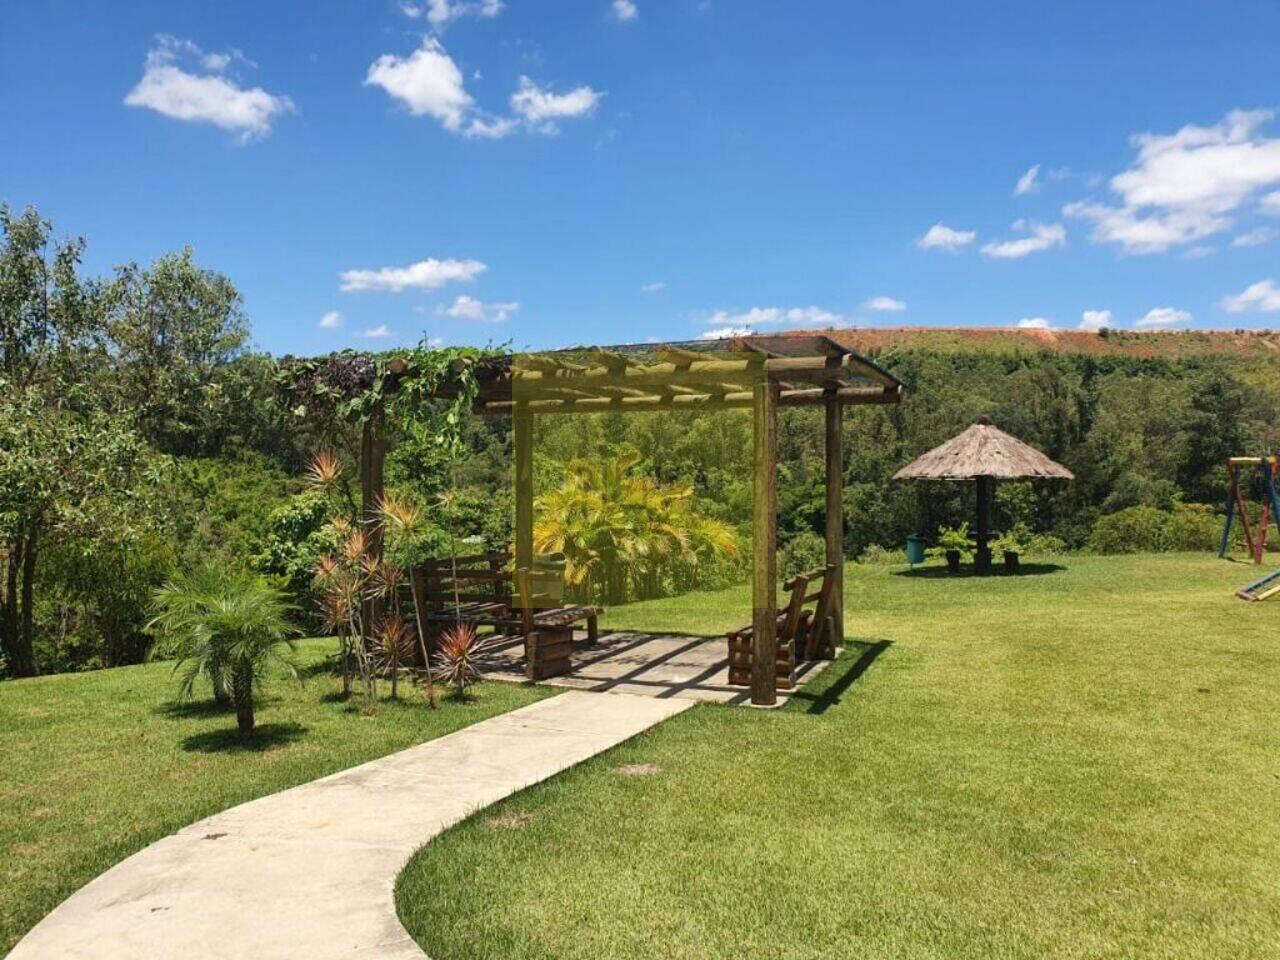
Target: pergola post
373, 452
522, 427
765, 543
835, 517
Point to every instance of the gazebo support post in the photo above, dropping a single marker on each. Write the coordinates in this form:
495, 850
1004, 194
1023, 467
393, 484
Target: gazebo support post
764, 604
835, 517
522, 427
986, 507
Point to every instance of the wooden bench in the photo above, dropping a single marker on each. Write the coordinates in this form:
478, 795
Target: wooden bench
474, 589
806, 629
477, 590
546, 624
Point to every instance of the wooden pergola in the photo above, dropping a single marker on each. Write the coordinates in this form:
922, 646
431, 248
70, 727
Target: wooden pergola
759, 373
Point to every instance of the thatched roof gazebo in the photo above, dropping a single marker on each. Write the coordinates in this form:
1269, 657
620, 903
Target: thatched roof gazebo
985, 454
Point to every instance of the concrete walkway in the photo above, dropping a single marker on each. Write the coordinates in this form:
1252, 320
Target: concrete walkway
310, 872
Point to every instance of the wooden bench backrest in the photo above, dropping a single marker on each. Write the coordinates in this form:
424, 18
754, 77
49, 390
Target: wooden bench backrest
813, 586
478, 577
540, 586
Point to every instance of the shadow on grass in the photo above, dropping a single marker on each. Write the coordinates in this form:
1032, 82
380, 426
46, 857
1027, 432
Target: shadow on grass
193, 709
824, 691
267, 736
967, 572
326, 666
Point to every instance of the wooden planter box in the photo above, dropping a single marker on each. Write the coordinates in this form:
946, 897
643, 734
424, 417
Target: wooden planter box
547, 653
741, 657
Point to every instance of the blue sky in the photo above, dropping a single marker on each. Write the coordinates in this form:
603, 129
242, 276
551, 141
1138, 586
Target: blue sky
586, 171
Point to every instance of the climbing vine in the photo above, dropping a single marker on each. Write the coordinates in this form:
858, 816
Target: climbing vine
423, 384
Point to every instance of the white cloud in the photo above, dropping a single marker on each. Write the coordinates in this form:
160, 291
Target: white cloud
540, 108
1033, 323
726, 333
440, 12
425, 274
427, 81
434, 342
469, 308
1270, 203
656, 286
208, 97
1028, 182
776, 316
1199, 252
1164, 317
1255, 237
942, 237
813, 317
379, 332
1041, 236
1263, 297
625, 10
885, 304
331, 320
1186, 185
1095, 320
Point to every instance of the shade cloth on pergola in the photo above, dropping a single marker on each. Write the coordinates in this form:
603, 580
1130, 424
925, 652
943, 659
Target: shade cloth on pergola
984, 453
756, 373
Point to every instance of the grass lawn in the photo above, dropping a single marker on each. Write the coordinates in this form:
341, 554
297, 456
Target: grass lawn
98, 765
1080, 763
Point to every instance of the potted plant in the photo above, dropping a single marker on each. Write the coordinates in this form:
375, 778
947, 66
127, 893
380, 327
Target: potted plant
954, 542
1010, 546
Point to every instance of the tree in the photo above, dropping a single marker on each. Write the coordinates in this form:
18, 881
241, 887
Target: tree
174, 328
72, 471
229, 626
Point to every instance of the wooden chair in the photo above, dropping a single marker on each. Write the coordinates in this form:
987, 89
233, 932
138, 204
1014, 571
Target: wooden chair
806, 629
547, 625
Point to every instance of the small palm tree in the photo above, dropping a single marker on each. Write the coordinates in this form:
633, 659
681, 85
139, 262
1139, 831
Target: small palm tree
226, 625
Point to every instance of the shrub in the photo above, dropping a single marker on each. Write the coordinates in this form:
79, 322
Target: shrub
1193, 526
804, 551
1188, 526
298, 535
1131, 530
874, 553
1023, 540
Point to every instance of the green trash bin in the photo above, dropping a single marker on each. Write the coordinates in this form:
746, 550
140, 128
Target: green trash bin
915, 550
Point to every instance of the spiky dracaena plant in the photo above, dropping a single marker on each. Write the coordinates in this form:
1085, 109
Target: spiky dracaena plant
344, 583
460, 649
337, 596
229, 624
402, 519
395, 645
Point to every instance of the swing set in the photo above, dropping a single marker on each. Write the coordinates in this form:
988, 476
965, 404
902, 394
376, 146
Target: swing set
1254, 538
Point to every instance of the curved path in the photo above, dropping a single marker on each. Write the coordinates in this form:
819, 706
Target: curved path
310, 872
